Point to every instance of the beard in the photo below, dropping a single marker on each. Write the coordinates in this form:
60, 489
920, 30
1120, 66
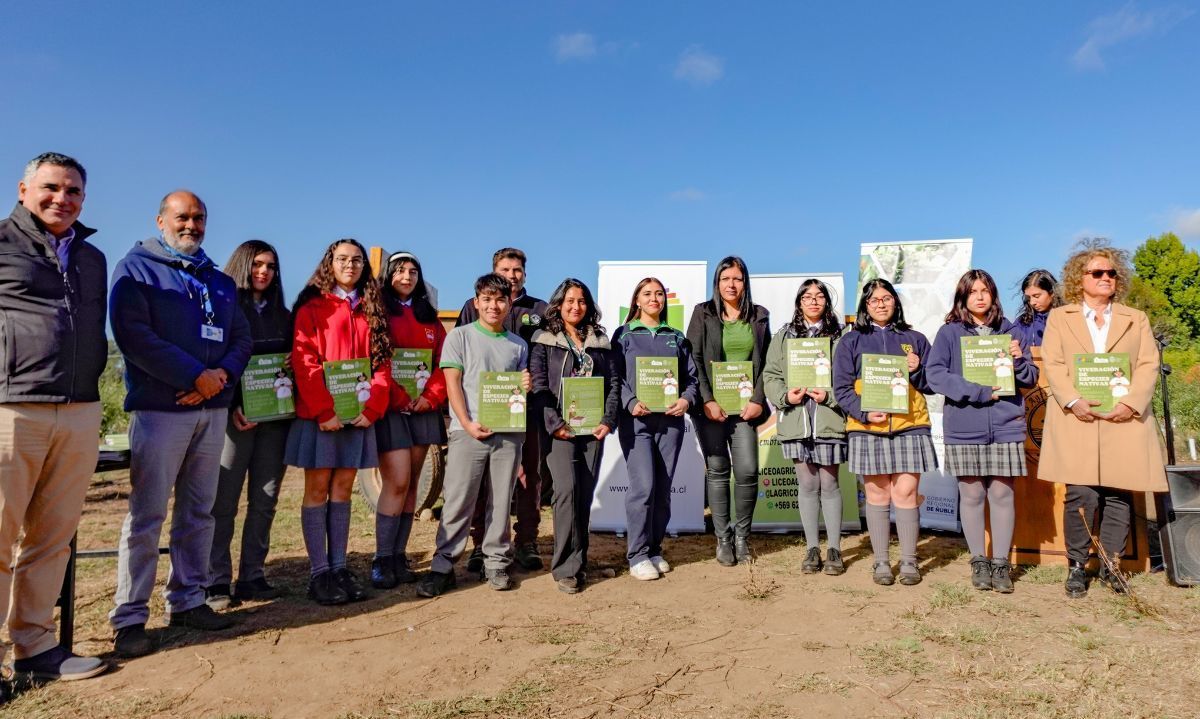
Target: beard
188, 244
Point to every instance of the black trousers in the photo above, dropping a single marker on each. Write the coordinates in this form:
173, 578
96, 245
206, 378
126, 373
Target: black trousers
1115, 507
574, 464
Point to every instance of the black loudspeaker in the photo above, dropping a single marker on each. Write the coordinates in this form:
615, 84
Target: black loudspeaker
1180, 526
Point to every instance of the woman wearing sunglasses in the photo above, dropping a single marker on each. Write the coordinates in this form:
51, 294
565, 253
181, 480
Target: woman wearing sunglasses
1102, 457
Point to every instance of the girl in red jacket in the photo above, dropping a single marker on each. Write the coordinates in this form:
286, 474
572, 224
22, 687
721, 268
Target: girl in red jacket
340, 316
412, 424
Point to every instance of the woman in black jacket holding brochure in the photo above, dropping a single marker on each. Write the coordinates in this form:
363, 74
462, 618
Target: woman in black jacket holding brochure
251, 448
566, 360
730, 328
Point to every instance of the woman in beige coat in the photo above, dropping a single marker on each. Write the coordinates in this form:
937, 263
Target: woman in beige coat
1101, 457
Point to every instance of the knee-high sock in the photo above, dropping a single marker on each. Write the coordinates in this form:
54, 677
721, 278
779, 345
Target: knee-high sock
339, 533
879, 527
386, 529
809, 499
908, 528
831, 506
1003, 513
313, 526
972, 491
401, 545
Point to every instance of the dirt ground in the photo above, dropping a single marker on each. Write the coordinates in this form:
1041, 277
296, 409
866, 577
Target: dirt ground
751, 641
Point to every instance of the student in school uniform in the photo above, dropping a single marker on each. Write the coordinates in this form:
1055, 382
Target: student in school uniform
412, 424
573, 344
890, 450
984, 431
469, 350
729, 327
340, 315
1039, 295
650, 441
811, 427
253, 452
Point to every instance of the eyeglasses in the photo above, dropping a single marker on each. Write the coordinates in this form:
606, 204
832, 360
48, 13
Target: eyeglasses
352, 261
881, 301
1097, 274
812, 299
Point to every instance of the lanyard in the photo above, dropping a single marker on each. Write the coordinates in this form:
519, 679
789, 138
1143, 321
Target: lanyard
191, 281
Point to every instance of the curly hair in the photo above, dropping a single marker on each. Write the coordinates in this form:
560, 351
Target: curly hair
1089, 249
371, 302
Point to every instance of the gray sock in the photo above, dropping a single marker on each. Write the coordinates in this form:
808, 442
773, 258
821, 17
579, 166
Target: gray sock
339, 533
879, 527
831, 507
402, 535
809, 498
1002, 510
386, 529
312, 525
908, 528
971, 494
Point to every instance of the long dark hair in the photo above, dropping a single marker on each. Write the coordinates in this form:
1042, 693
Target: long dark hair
959, 311
862, 320
1044, 281
591, 317
831, 324
370, 298
633, 305
239, 267
423, 309
746, 306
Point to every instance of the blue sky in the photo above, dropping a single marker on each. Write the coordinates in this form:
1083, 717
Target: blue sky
788, 133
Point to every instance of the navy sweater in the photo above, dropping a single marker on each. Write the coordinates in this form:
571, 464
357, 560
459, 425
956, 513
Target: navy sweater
636, 340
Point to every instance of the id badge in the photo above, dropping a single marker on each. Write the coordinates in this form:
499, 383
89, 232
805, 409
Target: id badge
213, 333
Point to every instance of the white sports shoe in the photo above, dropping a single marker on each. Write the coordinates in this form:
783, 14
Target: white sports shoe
662, 565
643, 570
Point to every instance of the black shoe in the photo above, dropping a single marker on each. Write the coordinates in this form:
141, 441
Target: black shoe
881, 573
741, 549
323, 590
344, 578
404, 573
133, 641
436, 584
981, 573
5, 692
812, 561
910, 574
475, 561
256, 590
833, 562
218, 597
202, 618
1002, 576
527, 557
568, 585
58, 664
581, 578
725, 555
1076, 585
383, 573
498, 579
1112, 580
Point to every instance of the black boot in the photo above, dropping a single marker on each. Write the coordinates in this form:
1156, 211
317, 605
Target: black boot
741, 549
1111, 579
725, 555
718, 506
1077, 581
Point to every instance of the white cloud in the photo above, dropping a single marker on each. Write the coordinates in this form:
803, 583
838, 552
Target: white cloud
1125, 24
688, 194
698, 67
1186, 224
574, 46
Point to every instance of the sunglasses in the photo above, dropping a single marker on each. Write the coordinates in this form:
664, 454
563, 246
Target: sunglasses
1097, 274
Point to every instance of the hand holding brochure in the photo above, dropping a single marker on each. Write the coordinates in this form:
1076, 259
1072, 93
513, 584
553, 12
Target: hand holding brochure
268, 389
501, 401
582, 403
731, 385
808, 363
987, 361
884, 383
657, 382
349, 383
1102, 378
412, 368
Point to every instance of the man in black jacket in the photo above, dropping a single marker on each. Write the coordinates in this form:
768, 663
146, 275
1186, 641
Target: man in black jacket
52, 351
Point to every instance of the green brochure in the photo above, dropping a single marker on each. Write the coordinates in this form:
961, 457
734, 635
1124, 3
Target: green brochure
268, 390
987, 361
1102, 378
809, 363
731, 384
501, 401
411, 369
349, 383
582, 403
884, 383
657, 384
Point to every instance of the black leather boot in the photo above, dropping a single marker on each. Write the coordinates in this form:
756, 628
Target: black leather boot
1076, 585
741, 549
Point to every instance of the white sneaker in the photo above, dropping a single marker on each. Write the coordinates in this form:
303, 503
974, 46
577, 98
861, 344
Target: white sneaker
643, 570
662, 565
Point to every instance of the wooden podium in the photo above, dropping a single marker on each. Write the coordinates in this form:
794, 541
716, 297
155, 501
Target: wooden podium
1038, 537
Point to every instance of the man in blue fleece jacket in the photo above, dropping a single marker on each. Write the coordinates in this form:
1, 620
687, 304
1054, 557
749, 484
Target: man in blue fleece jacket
175, 317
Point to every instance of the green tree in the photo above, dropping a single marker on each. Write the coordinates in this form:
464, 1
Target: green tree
1165, 264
